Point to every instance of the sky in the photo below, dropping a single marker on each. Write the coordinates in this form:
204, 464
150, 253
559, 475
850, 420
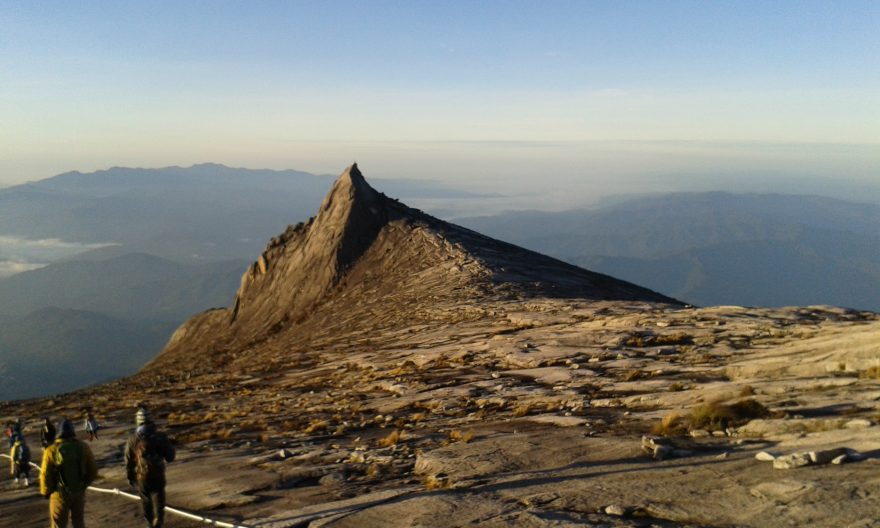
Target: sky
601, 96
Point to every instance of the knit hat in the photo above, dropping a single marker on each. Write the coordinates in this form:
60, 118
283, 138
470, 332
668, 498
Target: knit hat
66, 429
142, 417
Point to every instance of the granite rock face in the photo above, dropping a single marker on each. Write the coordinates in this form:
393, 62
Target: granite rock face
370, 249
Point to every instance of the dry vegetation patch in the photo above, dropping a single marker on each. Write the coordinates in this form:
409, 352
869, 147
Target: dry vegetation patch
392, 439
719, 416
870, 373
649, 340
713, 416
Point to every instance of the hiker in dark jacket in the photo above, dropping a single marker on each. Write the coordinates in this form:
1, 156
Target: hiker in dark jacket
146, 453
47, 433
68, 469
20, 454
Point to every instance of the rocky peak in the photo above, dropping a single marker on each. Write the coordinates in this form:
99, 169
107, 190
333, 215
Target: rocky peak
348, 220
298, 268
366, 258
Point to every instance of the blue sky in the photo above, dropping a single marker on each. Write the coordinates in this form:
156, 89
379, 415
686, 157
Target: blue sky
400, 85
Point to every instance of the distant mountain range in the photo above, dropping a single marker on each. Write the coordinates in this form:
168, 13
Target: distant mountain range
206, 211
717, 248
175, 242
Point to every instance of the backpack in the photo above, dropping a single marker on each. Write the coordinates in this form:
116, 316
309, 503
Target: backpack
70, 462
23, 455
148, 462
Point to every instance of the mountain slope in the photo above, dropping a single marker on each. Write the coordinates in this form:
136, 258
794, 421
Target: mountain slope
372, 253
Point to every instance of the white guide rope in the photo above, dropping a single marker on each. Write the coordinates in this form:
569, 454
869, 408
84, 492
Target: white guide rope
168, 509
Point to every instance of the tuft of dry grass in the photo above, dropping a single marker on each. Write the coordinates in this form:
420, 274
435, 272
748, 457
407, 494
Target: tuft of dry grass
459, 436
182, 418
200, 436
433, 482
870, 373
712, 417
648, 340
633, 375
316, 426
225, 434
747, 391
373, 471
392, 439
717, 415
522, 410
678, 338
671, 425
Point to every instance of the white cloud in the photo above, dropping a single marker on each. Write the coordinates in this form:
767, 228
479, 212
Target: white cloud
20, 254
50, 243
11, 267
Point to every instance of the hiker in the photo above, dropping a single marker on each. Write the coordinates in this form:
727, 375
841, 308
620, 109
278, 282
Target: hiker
68, 469
21, 460
91, 427
47, 433
146, 453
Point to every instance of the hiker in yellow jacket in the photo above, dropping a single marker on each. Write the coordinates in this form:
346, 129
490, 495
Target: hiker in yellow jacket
68, 469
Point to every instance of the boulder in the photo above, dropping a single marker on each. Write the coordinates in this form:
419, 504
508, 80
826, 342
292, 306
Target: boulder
827, 455
766, 456
615, 509
794, 460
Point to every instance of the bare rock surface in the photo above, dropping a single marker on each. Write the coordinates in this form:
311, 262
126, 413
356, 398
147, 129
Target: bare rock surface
379, 367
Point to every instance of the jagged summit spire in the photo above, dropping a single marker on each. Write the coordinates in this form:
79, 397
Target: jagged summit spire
354, 174
351, 187
291, 276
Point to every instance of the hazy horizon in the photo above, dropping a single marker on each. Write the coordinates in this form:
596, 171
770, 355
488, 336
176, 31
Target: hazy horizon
565, 175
